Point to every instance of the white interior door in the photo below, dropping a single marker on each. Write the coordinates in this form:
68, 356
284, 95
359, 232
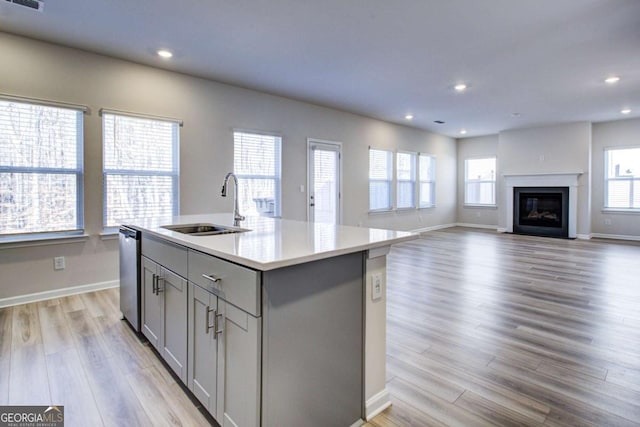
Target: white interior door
324, 181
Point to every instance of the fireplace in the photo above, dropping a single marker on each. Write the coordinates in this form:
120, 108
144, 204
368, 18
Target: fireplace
541, 211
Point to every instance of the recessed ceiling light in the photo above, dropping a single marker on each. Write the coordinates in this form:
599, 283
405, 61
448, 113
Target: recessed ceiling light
612, 79
460, 87
463, 131
625, 110
166, 54
409, 117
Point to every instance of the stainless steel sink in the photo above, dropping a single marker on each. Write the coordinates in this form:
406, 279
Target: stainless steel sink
203, 229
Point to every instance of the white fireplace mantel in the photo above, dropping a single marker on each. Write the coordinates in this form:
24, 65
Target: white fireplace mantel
569, 179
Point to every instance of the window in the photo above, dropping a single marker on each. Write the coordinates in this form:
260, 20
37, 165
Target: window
427, 189
406, 180
380, 178
256, 163
622, 178
480, 182
140, 168
41, 167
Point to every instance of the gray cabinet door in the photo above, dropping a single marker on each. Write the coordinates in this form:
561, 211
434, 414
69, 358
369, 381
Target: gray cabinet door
239, 367
203, 348
151, 304
173, 290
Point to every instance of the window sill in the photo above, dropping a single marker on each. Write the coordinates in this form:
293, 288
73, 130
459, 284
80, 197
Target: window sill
42, 240
380, 211
109, 234
472, 206
621, 211
427, 207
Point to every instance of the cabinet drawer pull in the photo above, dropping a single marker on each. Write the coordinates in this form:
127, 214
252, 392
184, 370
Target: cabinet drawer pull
207, 326
216, 323
211, 277
158, 288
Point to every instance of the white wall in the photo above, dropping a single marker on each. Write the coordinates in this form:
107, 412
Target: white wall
563, 148
469, 148
210, 111
621, 133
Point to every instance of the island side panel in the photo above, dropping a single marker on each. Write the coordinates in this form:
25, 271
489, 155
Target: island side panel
313, 343
376, 396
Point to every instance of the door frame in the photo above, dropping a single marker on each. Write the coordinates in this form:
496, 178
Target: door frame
338, 147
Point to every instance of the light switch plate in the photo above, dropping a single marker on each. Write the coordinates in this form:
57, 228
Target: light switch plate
58, 263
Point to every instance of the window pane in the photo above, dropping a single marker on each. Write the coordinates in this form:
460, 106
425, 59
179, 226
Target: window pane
427, 177
38, 202
406, 194
136, 144
131, 196
426, 194
256, 163
380, 170
140, 168
379, 195
480, 181
623, 162
622, 175
325, 179
36, 136
481, 193
481, 169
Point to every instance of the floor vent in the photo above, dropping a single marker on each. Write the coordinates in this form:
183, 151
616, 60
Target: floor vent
31, 4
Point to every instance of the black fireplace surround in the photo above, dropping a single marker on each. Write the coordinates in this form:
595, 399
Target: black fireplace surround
541, 211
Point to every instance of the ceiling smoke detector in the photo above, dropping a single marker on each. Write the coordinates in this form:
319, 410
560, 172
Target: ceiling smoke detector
31, 4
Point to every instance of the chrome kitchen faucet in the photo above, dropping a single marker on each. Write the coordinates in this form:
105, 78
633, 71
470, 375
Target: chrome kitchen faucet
236, 211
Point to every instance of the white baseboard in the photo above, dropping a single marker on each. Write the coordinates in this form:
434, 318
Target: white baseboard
432, 228
616, 236
488, 227
501, 230
583, 236
57, 293
377, 403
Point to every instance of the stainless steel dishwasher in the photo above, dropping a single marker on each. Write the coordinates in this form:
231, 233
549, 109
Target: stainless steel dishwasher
130, 276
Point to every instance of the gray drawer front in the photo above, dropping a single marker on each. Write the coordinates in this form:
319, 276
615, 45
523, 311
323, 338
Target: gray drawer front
238, 285
168, 255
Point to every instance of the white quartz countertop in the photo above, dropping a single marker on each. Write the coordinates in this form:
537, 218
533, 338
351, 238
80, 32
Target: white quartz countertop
272, 243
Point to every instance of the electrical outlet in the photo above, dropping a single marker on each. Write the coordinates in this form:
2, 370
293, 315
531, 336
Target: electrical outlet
58, 263
376, 286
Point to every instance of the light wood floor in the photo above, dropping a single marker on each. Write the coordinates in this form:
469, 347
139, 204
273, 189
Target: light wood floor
498, 329
483, 329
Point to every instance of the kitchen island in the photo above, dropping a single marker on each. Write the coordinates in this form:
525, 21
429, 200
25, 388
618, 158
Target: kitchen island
273, 322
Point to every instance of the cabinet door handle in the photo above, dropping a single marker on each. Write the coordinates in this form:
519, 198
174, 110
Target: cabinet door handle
158, 288
154, 284
211, 277
216, 323
207, 326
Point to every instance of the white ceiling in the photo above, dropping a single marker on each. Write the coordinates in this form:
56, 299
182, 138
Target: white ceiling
544, 59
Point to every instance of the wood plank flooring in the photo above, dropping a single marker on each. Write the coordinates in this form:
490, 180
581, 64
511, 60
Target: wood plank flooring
483, 329
490, 329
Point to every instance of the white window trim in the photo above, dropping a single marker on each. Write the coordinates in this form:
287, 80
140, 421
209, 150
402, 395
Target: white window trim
174, 174
494, 181
61, 236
